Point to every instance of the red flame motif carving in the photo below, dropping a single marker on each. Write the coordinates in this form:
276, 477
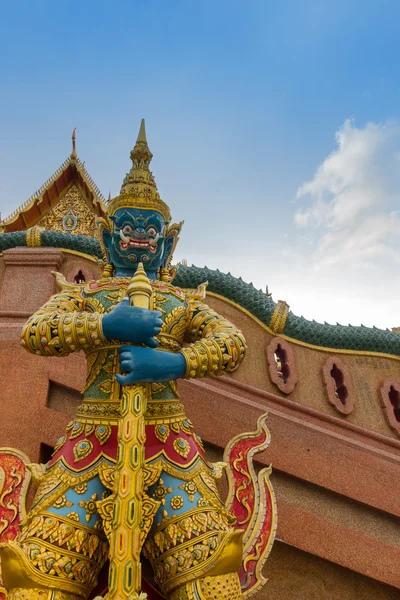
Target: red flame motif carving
252, 500
14, 481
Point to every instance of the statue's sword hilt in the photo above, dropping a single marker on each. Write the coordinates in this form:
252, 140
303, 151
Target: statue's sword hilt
133, 509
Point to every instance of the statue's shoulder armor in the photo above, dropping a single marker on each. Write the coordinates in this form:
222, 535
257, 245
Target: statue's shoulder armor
105, 285
102, 294
198, 293
65, 286
163, 288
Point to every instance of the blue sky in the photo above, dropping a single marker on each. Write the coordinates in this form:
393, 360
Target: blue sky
274, 127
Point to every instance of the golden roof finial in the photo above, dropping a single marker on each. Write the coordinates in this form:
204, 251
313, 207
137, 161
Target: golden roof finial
109, 197
73, 154
142, 132
139, 189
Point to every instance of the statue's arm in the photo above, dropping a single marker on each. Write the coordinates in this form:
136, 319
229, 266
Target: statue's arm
63, 326
215, 347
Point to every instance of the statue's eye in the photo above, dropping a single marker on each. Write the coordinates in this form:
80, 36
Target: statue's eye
151, 231
127, 229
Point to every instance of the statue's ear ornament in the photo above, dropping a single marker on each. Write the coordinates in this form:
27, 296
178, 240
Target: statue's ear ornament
170, 273
104, 231
171, 235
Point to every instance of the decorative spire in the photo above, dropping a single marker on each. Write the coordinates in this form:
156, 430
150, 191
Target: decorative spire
141, 159
142, 132
73, 154
139, 188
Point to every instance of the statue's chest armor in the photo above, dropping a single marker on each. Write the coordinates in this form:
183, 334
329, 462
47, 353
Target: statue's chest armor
103, 296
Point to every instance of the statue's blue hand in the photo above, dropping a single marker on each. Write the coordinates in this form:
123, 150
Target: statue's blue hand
145, 365
128, 323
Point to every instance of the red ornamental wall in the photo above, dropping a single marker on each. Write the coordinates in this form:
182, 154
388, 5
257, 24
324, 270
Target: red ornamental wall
336, 463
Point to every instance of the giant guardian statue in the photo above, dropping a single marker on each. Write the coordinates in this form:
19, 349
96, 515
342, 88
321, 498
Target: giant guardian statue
128, 489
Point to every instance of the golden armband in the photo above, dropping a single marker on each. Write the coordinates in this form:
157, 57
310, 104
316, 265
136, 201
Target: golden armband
217, 345
204, 357
58, 334
214, 355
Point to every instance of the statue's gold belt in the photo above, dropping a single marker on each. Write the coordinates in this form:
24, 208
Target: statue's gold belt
99, 410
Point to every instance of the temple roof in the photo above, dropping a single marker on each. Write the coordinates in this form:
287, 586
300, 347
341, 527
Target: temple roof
276, 316
70, 175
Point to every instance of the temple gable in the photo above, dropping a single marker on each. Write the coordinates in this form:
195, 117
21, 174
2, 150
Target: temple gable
71, 214
68, 201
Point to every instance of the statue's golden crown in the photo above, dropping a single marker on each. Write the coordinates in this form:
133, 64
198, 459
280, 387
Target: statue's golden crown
139, 189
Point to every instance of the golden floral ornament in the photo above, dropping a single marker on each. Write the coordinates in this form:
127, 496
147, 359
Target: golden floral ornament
82, 449
60, 443
106, 385
81, 488
89, 506
176, 428
190, 488
103, 433
76, 430
161, 432
187, 426
182, 447
89, 429
203, 502
177, 502
50, 529
73, 516
161, 491
66, 535
62, 501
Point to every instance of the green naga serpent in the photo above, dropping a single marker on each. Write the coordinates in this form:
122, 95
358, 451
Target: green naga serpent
129, 482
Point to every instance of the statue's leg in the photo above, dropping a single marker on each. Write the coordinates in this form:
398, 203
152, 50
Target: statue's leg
219, 587
194, 550
61, 545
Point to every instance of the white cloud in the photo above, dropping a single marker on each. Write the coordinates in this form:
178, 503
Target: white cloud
341, 263
350, 204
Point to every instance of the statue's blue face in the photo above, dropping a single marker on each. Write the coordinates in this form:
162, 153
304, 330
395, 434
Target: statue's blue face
138, 236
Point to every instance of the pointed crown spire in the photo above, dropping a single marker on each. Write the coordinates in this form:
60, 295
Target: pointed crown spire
139, 188
142, 132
